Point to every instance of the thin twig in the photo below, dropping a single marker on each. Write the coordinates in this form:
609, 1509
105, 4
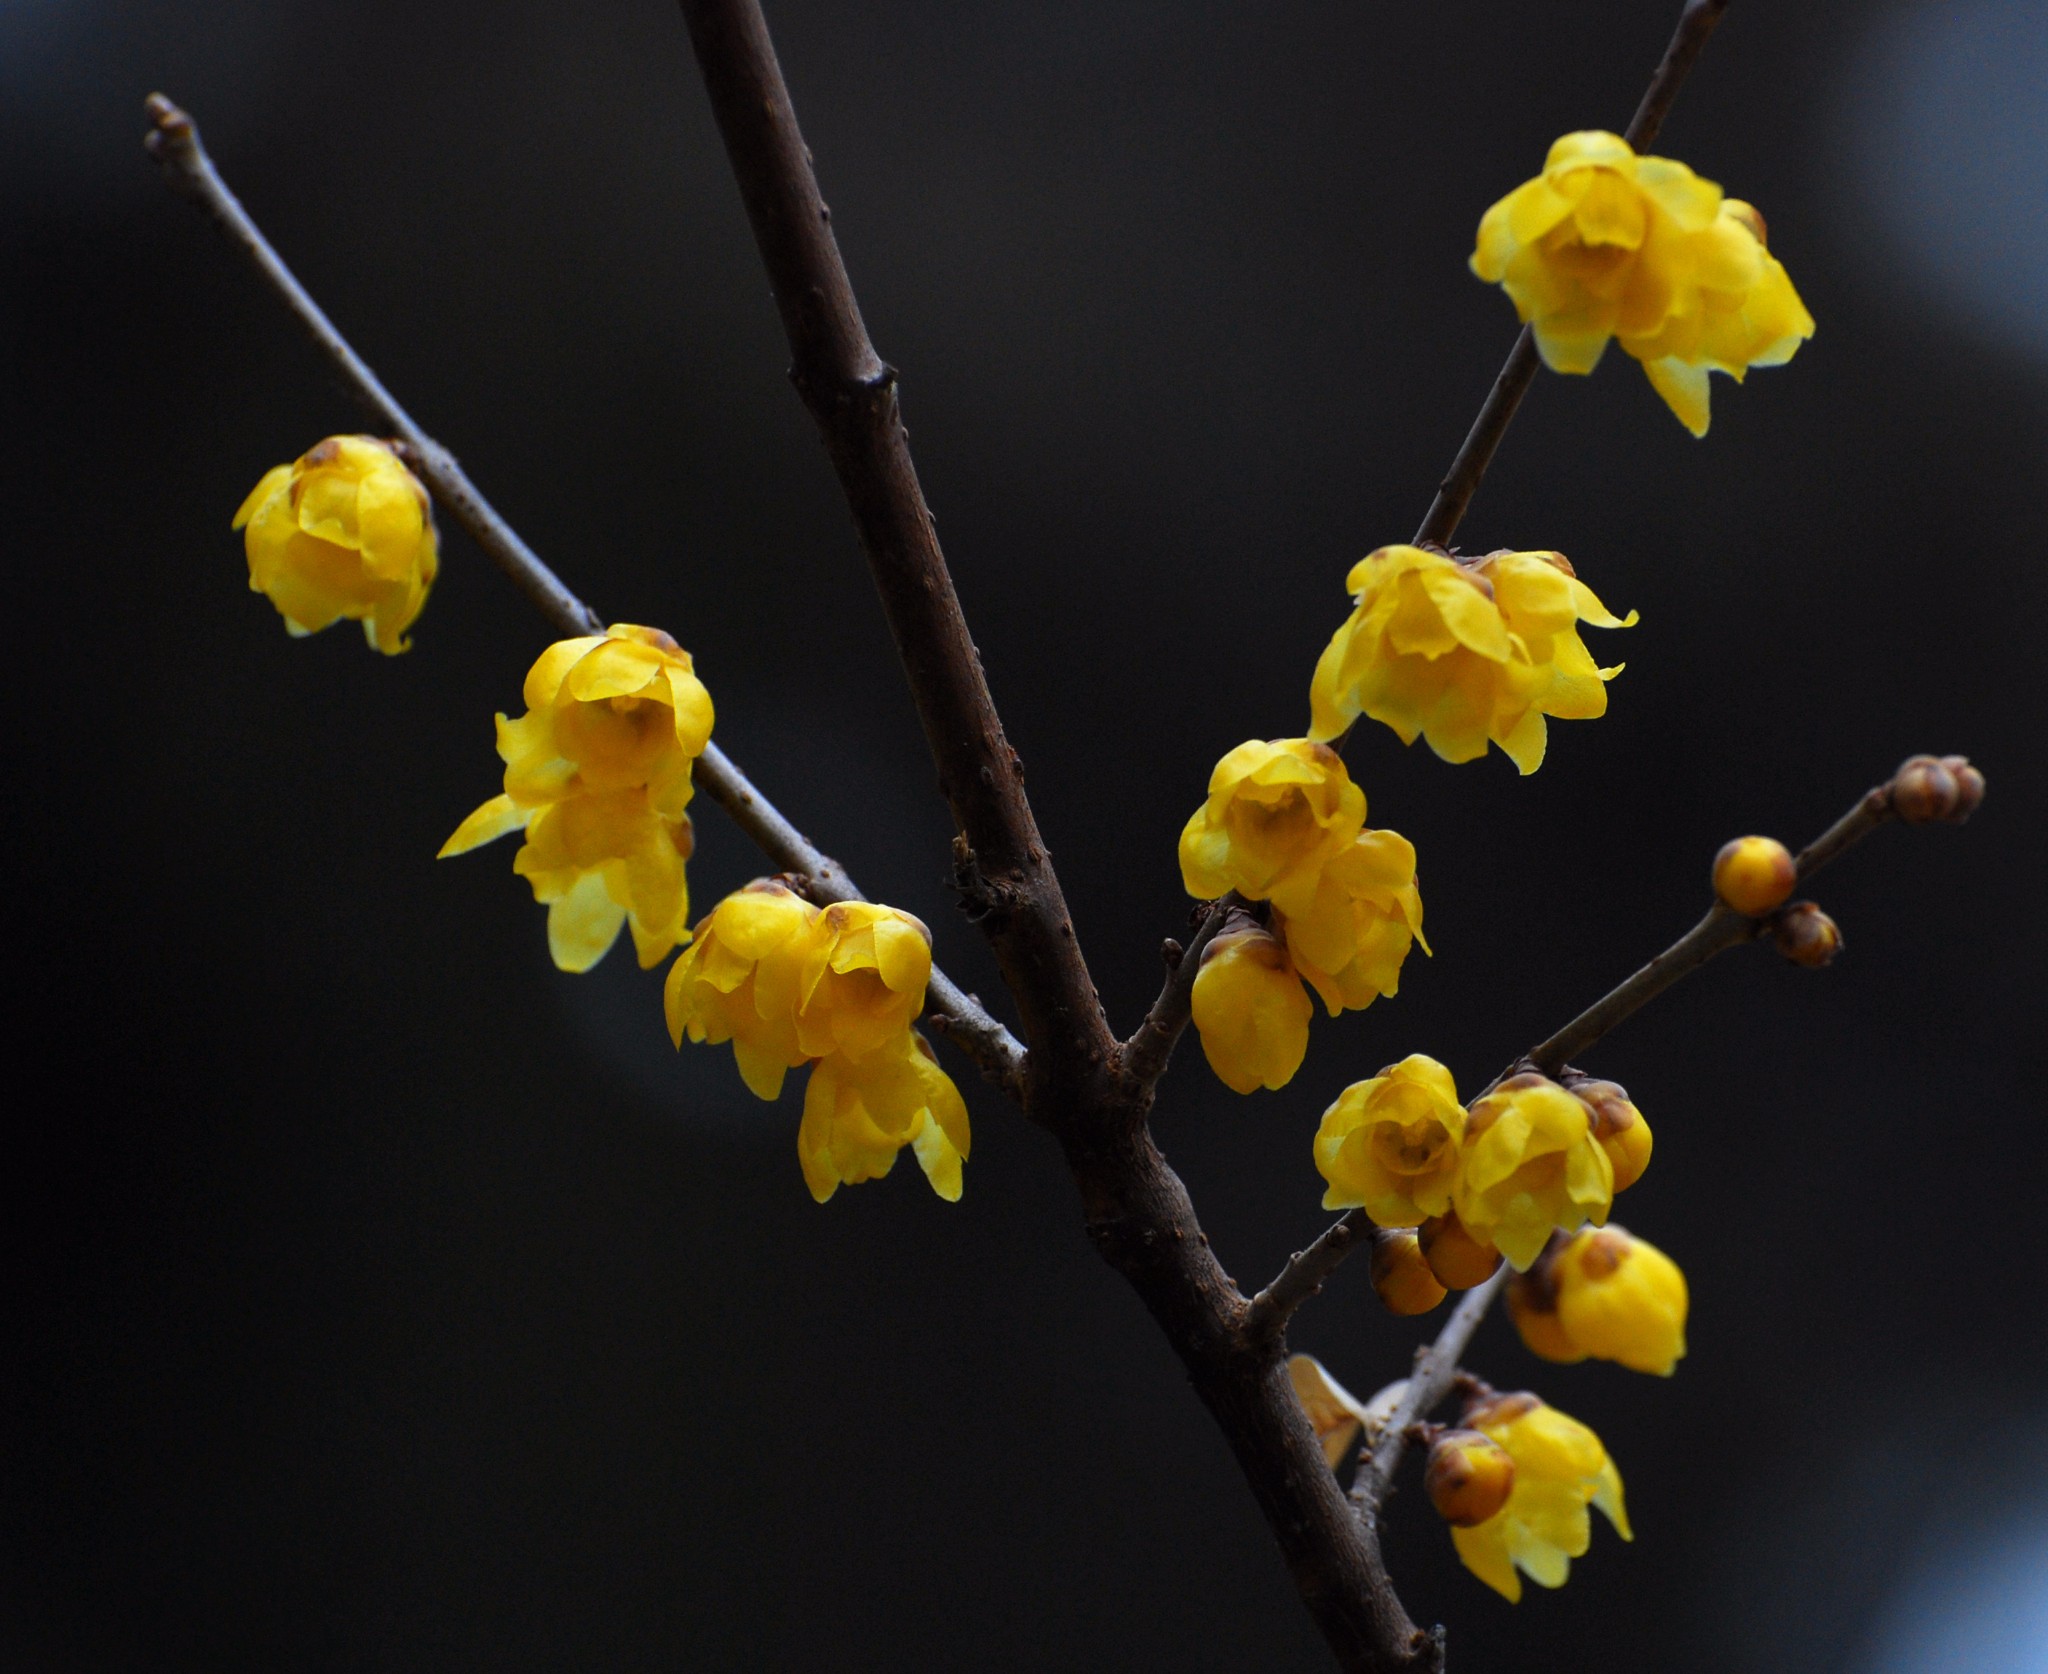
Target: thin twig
1266, 1315
1462, 481
851, 393
1722, 928
1146, 1053
174, 142
1436, 1367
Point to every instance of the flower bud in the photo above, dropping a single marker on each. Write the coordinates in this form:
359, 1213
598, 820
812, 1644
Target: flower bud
1618, 1127
1754, 874
1469, 1477
1532, 1305
1530, 1166
1806, 935
1250, 1009
1922, 790
1401, 1275
1969, 787
1457, 1258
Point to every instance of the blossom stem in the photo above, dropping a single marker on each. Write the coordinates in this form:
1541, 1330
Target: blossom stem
174, 142
1436, 1369
1462, 481
1146, 1053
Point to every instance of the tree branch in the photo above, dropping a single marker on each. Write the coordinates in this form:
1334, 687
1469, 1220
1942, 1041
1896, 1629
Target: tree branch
174, 142
1462, 481
1146, 1053
1436, 1367
851, 394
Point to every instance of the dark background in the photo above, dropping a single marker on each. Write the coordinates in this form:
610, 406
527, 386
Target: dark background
379, 1298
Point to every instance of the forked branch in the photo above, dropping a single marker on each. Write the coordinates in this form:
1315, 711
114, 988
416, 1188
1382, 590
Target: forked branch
174, 142
851, 393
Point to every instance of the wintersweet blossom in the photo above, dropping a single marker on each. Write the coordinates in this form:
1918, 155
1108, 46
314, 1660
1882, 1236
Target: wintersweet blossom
1605, 244
1604, 1294
1250, 1010
1560, 1468
597, 774
1464, 653
1351, 940
741, 980
864, 975
859, 1112
1531, 1166
344, 531
1277, 813
1389, 1145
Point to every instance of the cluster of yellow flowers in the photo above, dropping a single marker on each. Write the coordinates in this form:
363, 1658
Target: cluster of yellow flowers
1284, 825
597, 774
1606, 244
1465, 653
1530, 1157
789, 984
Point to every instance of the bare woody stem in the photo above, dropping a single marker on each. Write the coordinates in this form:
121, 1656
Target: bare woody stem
174, 142
1147, 1052
1722, 928
1436, 1368
1462, 481
851, 393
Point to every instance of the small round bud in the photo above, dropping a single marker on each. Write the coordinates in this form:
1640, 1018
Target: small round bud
1924, 789
1754, 874
1532, 1305
1469, 1477
1401, 1276
1969, 787
1618, 1128
1457, 1257
1806, 935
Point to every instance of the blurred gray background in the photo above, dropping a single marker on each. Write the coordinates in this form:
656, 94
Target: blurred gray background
379, 1298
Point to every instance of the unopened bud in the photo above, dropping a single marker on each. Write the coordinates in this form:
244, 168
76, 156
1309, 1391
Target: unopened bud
1923, 789
1754, 874
1458, 1257
1969, 787
1618, 1127
1806, 935
1401, 1276
1469, 1477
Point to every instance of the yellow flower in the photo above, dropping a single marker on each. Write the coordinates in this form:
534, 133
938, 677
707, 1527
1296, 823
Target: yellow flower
597, 774
1606, 244
741, 980
1530, 1166
1336, 1415
1250, 1010
1277, 813
1390, 1145
1462, 653
1605, 1294
1560, 1469
347, 530
600, 862
864, 975
859, 1112
1351, 939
